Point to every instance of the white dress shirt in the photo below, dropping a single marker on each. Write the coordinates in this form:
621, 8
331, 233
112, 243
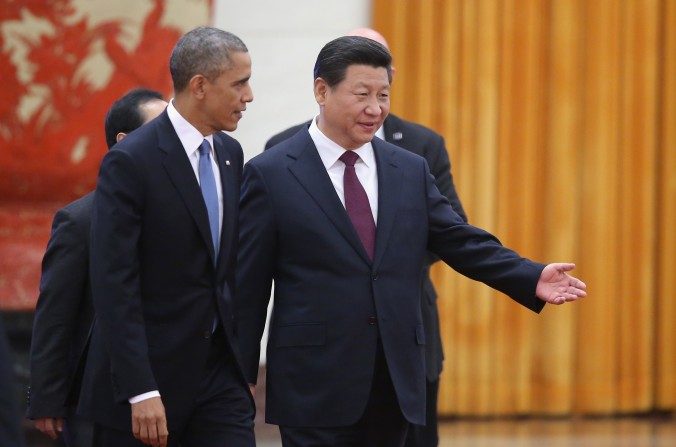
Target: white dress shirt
365, 167
191, 139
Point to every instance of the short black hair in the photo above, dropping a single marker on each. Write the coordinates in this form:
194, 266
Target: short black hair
204, 50
337, 55
125, 114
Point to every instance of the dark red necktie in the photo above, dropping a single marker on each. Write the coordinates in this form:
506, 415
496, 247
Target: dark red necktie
357, 204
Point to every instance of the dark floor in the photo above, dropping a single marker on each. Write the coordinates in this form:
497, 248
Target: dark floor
611, 432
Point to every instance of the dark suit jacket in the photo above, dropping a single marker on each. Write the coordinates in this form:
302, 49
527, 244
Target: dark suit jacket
429, 145
10, 427
331, 302
63, 316
157, 285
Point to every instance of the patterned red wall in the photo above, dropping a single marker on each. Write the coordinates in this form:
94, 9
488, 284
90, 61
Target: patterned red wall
51, 155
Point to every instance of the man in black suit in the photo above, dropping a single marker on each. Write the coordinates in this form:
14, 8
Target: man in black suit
342, 222
10, 429
162, 368
430, 145
64, 314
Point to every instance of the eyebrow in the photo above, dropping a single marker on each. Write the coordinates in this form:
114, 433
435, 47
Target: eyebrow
242, 80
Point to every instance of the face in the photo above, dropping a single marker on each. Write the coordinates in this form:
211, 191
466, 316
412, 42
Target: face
225, 98
353, 110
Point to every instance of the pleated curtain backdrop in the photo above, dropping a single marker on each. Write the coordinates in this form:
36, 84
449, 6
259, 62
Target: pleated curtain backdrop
560, 120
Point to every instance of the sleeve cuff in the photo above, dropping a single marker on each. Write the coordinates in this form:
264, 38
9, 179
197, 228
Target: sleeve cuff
144, 396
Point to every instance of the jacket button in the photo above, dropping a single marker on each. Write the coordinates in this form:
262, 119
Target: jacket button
374, 276
372, 320
207, 335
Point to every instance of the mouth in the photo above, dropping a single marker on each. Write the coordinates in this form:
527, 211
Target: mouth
369, 127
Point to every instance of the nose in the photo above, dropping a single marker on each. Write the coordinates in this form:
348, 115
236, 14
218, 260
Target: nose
373, 107
248, 94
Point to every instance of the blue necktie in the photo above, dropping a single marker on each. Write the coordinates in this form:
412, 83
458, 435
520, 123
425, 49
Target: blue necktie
208, 187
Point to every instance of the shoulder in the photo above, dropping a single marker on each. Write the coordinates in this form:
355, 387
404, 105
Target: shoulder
284, 135
138, 141
77, 211
411, 127
395, 154
229, 144
288, 149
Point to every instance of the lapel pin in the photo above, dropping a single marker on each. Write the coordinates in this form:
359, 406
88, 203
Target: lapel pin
227, 162
397, 136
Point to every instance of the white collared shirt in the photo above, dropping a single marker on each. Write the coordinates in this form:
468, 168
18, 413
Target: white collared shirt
365, 167
191, 139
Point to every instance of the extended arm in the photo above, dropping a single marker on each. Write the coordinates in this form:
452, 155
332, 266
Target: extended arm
256, 261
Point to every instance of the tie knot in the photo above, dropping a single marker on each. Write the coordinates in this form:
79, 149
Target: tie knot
349, 158
205, 147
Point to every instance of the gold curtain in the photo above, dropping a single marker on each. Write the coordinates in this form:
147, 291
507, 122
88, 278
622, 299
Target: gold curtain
560, 120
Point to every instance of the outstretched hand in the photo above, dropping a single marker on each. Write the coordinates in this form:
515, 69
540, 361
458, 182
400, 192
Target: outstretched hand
555, 286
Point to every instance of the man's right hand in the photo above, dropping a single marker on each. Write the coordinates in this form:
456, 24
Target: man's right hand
149, 422
52, 427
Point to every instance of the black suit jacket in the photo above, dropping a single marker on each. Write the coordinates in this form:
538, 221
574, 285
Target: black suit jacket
157, 284
331, 302
64, 314
429, 145
10, 428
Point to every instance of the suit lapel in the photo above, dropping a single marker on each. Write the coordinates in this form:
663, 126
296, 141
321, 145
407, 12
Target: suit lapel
389, 188
310, 172
230, 196
180, 172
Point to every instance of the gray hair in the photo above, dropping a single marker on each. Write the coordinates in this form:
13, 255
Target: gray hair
204, 50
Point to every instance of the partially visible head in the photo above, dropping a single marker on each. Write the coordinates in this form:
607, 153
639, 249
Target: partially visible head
132, 110
369, 33
352, 86
210, 69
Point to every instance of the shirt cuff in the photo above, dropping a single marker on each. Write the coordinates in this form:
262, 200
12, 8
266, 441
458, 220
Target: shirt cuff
144, 396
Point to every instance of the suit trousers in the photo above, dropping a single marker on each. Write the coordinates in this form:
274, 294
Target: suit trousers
381, 425
222, 415
77, 432
426, 435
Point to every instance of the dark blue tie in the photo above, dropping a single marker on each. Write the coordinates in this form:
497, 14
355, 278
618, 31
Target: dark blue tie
208, 187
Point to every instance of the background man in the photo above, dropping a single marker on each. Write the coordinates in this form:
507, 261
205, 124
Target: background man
430, 145
10, 429
161, 367
342, 222
64, 313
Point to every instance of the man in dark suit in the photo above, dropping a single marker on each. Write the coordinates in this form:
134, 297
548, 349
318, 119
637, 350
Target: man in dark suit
162, 368
429, 145
64, 315
10, 429
342, 222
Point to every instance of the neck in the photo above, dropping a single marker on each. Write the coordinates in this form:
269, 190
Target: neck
189, 112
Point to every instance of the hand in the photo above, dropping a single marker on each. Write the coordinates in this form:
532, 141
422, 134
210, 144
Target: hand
555, 286
52, 427
149, 422
252, 388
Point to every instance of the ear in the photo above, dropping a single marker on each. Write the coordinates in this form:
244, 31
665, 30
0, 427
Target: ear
392, 70
197, 86
321, 89
120, 136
